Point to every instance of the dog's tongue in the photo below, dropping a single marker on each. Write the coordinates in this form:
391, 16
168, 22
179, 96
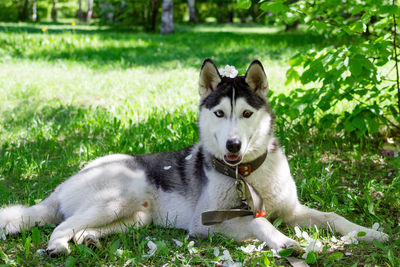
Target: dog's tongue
232, 157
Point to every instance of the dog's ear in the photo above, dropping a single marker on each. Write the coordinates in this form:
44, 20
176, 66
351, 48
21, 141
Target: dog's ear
256, 78
209, 78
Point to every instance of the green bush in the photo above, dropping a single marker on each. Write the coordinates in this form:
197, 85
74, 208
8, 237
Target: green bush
347, 86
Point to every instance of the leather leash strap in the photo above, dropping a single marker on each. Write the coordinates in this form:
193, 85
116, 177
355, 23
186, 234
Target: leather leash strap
251, 200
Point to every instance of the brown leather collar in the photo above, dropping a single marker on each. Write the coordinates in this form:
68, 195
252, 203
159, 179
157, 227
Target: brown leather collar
244, 169
251, 201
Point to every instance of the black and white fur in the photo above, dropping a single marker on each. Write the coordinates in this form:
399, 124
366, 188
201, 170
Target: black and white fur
117, 191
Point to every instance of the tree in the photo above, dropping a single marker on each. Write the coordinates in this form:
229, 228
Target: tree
23, 11
54, 11
153, 13
192, 16
34, 11
167, 17
80, 13
90, 10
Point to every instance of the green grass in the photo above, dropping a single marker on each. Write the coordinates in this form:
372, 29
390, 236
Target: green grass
73, 93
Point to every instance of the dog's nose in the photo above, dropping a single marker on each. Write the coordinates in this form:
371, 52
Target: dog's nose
233, 145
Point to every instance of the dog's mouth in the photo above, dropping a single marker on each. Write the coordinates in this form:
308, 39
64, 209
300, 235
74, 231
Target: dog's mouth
232, 159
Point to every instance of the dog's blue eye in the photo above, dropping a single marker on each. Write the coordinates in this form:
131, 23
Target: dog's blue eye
247, 114
219, 113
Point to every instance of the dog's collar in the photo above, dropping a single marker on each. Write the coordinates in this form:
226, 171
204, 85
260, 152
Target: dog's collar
252, 203
244, 169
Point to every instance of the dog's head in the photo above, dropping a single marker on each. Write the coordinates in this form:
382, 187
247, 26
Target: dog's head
235, 121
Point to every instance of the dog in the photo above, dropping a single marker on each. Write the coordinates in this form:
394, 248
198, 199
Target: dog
237, 163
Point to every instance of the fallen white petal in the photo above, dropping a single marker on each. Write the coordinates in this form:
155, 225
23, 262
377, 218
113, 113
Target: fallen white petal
191, 244
314, 246
119, 252
216, 252
153, 247
352, 234
248, 249
261, 246
231, 264
226, 256
306, 236
188, 157
177, 242
298, 231
333, 239
348, 253
275, 253
41, 251
167, 167
350, 238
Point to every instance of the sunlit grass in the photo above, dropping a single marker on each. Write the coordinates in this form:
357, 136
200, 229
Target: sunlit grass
72, 93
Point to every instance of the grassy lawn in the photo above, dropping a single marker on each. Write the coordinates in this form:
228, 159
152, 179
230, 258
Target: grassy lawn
69, 94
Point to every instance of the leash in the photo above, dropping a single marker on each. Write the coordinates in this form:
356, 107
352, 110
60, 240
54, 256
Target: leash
252, 203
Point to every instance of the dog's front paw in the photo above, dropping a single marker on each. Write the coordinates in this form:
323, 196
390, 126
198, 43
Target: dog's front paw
371, 235
88, 237
282, 242
57, 247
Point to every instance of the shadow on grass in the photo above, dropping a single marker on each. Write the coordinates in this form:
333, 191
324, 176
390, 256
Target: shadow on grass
57, 141
187, 47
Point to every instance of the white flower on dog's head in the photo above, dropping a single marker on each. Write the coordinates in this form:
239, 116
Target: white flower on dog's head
228, 71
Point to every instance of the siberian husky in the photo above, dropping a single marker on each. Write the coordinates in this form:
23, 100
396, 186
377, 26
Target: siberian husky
185, 188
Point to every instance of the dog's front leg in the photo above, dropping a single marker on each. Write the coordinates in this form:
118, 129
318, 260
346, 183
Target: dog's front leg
247, 227
304, 216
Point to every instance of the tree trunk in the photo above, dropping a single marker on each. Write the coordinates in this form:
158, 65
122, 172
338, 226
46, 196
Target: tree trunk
34, 11
54, 11
80, 15
23, 14
90, 10
167, 17
155, 5
192, 16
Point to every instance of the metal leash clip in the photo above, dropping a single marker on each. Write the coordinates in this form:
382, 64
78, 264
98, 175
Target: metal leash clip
240, 186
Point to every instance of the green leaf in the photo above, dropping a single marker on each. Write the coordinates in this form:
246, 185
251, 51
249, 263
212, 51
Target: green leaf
391, 258
372, 124
355, 66
70, 262
277, 222
285, 252
291, 75
244, 4
162, 248
319, 25
359, 234
274, 7
7, 260
115, 246
326, 121
311, 258
27, 246
35, 236
336, 256
388, 10
265, 261
318, 199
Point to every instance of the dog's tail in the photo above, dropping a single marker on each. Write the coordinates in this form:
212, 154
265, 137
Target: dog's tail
17, 217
